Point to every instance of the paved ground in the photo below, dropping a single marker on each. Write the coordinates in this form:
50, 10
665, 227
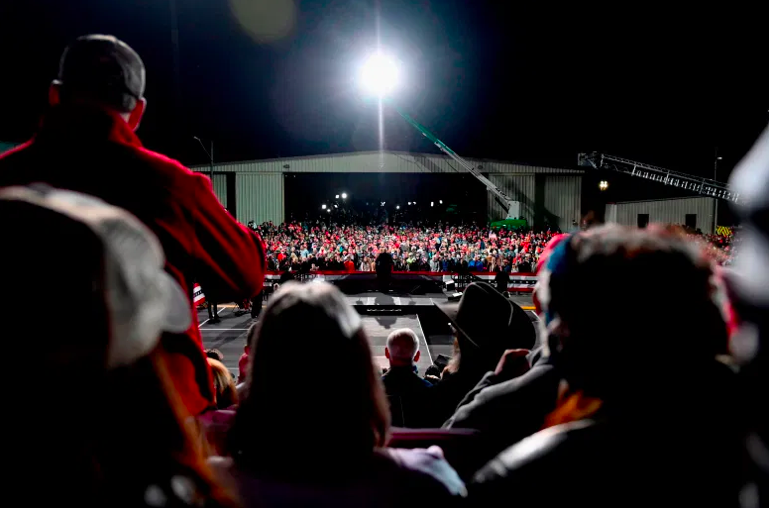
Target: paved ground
229, 336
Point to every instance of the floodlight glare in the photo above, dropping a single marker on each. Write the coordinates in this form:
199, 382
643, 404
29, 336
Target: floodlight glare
379, 75
344, 195
397, 207
322, 207
337, 196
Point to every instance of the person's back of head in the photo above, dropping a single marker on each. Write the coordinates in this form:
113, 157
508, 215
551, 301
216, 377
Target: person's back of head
104, 72
105, 425
626, 347
329, 404
224, 384
402, 348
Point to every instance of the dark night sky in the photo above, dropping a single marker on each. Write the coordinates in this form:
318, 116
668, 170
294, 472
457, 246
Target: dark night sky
491, 78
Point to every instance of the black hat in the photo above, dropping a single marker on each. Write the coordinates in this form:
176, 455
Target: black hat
104, 68
488, 321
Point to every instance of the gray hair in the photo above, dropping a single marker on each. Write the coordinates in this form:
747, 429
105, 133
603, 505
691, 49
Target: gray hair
403, 345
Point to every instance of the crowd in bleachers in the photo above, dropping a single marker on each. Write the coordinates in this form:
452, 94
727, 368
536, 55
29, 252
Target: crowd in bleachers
602, 401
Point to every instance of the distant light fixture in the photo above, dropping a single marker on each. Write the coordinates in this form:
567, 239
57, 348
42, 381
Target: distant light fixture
415, 202
322, 207
336, 206
397, 207
409, 203
336, 197
440, 201
344, 195
603, 185
382, 203
719, 158
432, 204
329, 210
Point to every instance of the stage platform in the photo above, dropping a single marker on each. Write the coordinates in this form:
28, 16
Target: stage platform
381, 313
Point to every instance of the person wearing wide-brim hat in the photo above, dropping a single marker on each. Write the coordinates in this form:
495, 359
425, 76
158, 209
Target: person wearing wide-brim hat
486, 325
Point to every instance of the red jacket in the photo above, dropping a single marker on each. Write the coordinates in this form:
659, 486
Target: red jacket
95, 152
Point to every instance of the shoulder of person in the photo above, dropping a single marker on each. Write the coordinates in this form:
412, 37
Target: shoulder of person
543, 448
170, 166
428, 462
178, 492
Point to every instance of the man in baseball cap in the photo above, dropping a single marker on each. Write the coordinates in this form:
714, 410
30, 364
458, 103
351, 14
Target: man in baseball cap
102, 69
86, 143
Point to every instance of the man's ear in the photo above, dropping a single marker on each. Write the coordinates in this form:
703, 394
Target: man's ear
387, 353
54, 93
135, 118
416, 356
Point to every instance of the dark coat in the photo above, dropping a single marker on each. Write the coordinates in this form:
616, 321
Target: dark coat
409, 396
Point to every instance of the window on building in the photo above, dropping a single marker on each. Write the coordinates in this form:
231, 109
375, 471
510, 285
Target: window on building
691, 220
643, 220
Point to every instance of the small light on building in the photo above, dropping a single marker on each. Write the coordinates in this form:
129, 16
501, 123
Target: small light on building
432, 203
603, 185
322, 207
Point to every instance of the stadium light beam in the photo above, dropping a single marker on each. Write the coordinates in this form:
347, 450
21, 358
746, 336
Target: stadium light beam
379, 75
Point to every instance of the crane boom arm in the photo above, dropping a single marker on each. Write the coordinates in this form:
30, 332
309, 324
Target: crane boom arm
704, 186
443, 147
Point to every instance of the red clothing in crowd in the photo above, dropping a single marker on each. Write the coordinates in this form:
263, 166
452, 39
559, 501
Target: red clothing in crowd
95, 152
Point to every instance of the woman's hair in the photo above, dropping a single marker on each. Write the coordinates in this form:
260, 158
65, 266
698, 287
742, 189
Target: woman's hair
224, 385
313, 392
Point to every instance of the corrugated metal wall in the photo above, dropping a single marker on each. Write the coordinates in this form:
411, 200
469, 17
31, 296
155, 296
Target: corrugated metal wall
220, 188
260, 197
518, 187
668, 211
380, 162
563, 199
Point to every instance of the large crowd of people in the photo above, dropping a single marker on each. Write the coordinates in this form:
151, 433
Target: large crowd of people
305, 247
600, 401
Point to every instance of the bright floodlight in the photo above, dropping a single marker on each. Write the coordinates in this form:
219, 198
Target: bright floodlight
337, 196
344, 195
603, 185
322, 207
379, 75
397, 207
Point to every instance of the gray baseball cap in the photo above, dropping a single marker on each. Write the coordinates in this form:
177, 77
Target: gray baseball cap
104, 68
94, 240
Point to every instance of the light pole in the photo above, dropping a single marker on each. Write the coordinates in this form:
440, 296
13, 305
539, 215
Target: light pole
210, 157
716, 158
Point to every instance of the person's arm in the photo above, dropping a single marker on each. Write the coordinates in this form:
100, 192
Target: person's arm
230, 258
